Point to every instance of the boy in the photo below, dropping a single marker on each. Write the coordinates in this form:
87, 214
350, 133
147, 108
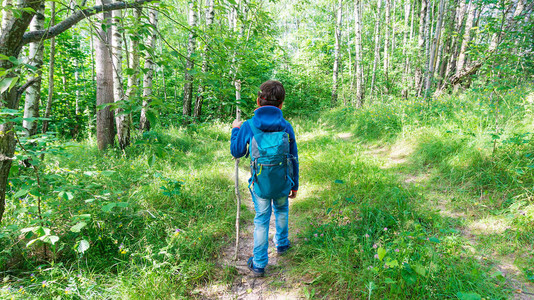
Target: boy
268, 119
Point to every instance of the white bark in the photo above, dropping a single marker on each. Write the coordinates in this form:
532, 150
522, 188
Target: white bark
377, 44
387, 6
50, 69
337, 34
200, 95
189, 65
465, 40
121, 119
144, 123
33, 93
358, 59
407, 7
435, 42
420, 45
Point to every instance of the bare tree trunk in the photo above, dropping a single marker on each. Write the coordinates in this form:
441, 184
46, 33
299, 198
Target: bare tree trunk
407, 7
121, 119
465, 41
420, 45
33, 93
360, 86
427, 35
105, 131
377, 44
50, 69
433, 49
335, 70
386, 42
133, 78
189, 65
200, 96
460, 13
144, 123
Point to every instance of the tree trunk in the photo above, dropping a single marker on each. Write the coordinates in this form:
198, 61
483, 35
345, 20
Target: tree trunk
360, 87
52, 61
465, 41
10, 45
200, 96
460, 13
420, 45
407, 7
144, 123
377, 44
105, 131
335, 70
133, 77
33, 93
189, 65
387, 7
433, 49
121, 119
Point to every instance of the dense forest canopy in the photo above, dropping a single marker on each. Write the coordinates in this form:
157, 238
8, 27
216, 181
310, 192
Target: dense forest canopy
111, 75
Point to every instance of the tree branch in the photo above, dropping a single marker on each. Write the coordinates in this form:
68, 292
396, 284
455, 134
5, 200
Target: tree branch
37, 35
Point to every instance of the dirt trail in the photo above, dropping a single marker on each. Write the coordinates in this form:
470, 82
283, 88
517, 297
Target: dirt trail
395, 156
274, 285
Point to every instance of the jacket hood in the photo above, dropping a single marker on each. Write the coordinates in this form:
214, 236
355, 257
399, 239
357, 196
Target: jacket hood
269, 118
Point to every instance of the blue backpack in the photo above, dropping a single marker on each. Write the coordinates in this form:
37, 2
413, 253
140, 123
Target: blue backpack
271, 164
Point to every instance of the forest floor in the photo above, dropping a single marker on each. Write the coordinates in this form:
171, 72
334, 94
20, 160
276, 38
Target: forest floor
275, 283
477, 223
280, 281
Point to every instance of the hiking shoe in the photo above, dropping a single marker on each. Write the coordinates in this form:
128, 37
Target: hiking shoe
282, 249
257, 272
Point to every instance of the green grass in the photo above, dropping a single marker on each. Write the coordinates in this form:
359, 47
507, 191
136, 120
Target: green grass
157, 215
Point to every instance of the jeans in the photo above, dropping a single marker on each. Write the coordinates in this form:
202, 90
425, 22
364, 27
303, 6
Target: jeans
262, 219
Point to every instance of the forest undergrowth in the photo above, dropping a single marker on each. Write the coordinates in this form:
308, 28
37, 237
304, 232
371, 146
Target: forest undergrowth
399, 199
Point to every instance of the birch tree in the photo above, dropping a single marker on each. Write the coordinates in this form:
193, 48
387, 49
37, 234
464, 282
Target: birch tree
200, 95
121, 118
337, 35
144, 123
189, 65
420, 45
51, 63
377, 44
433, 49
386, 40
33, 93
360, 86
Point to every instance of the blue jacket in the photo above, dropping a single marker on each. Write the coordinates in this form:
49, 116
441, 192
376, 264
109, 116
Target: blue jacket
269, 119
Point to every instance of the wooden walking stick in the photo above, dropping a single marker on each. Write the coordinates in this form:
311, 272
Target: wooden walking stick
237, 84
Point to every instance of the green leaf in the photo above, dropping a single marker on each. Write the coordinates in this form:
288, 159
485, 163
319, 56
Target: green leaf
83, 246
20, 193
50, 239
468, 296
151, 160
107, 173
434, 239
408, 276
392, 263
328, 210
108, 207
339, 181
381, 253
7, 83
419, 269
78, 227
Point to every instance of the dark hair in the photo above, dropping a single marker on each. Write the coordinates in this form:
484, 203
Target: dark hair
271, 93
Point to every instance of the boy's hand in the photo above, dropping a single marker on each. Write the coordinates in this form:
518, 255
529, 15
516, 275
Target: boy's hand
237, 124
293, 194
